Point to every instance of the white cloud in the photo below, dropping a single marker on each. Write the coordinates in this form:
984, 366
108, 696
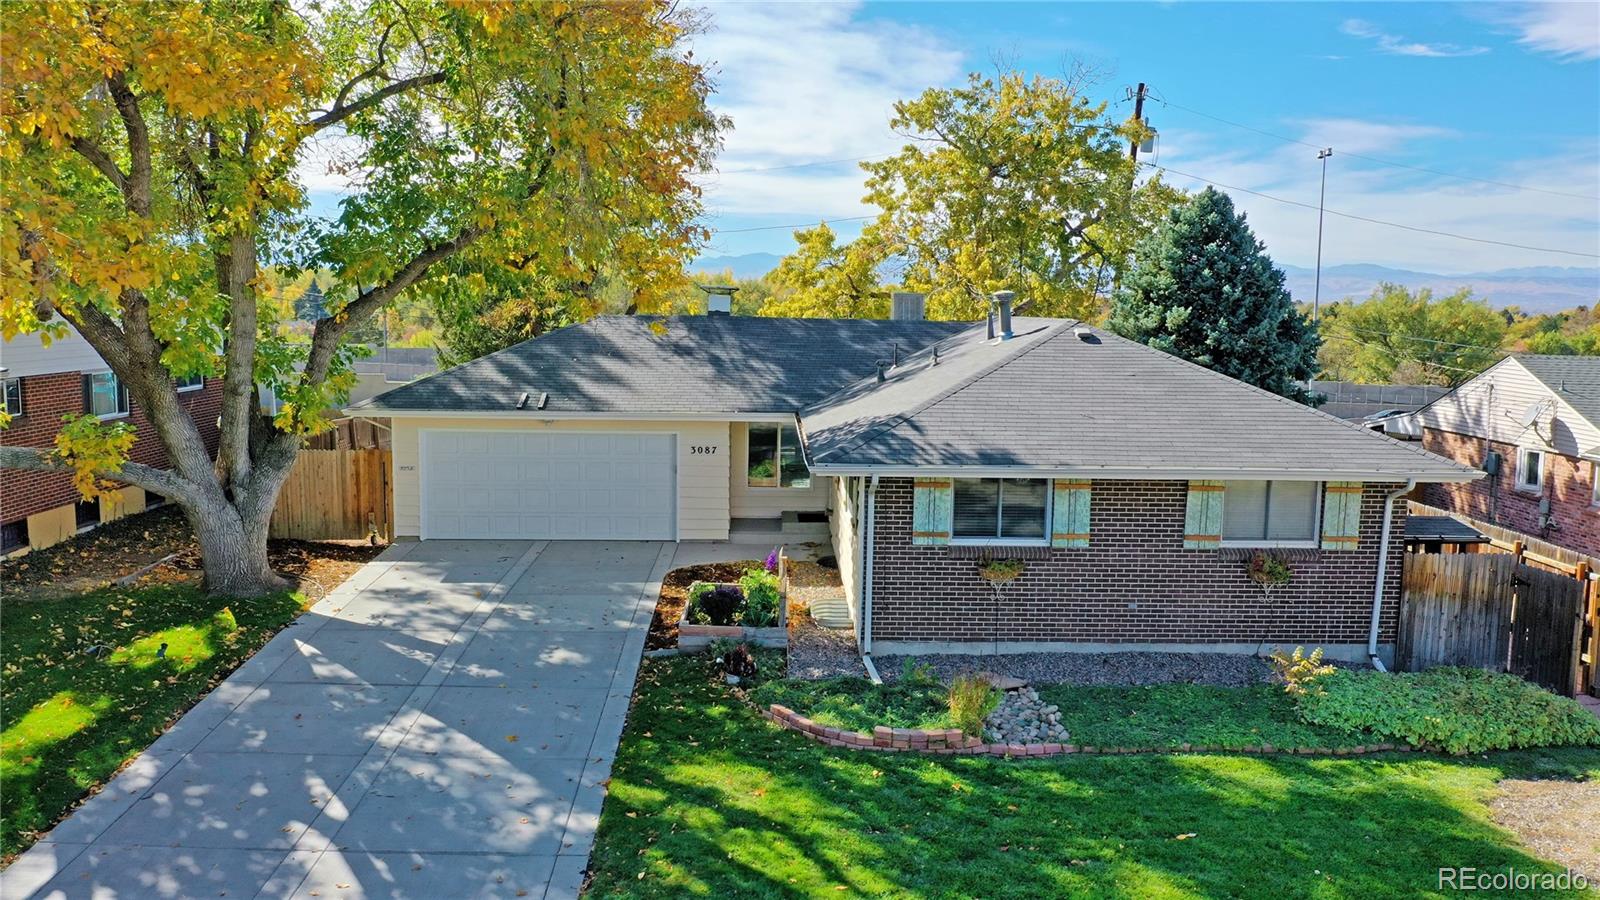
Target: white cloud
1400, 46
1570, 31
804, 83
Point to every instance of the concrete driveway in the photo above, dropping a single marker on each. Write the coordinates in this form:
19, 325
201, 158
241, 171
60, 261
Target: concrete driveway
442, 725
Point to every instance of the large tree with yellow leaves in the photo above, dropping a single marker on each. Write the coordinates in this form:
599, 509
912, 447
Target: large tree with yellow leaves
152, 157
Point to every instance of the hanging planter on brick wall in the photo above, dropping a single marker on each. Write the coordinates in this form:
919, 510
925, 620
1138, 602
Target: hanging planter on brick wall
1268, 570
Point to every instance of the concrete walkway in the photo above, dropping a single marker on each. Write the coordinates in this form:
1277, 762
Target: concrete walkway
442, 725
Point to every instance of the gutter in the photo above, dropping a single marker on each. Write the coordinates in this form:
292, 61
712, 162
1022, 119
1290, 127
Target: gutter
1383, 570
869, 515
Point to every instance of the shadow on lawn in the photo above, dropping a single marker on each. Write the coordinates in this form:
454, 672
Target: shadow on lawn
749, 810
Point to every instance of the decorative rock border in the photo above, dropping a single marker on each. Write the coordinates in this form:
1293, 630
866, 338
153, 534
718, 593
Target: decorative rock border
953, 741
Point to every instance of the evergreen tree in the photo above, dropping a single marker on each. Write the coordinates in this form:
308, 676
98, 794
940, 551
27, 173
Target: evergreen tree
1204, 289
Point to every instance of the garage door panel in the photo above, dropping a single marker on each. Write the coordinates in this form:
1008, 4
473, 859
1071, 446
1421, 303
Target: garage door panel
547, 485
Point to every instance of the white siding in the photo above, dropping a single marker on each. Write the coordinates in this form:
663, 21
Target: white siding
1491, 405
843, 524
702, 476
26, 354
746, 502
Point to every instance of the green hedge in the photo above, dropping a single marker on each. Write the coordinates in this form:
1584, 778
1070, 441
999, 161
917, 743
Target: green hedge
1459, 710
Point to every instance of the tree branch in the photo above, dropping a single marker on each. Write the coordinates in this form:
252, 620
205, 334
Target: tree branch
342, 111
161, 481
102, 161
137, 187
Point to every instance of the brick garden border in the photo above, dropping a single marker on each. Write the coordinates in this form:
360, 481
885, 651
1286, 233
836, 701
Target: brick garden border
952, 741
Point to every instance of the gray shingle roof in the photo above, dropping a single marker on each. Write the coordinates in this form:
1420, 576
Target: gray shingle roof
1575, 379
1442, 528
1048, 400
696, 365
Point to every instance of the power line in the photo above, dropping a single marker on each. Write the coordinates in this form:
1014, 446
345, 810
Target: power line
1422, 362
1345, 215
819, 220
804, 165
1374, 159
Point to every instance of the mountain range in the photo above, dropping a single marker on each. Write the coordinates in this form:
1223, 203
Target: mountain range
1535, 289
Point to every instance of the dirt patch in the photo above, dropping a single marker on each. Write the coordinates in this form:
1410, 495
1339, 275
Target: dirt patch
1554, 819
117, 549
675, 596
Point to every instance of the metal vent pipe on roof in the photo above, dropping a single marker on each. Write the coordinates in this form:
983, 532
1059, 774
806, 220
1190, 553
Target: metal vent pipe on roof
1002, 302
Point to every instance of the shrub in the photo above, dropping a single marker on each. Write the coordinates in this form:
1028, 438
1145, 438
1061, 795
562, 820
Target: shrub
761, 598
971, 701
717, 606
915, 673
1297, 671
1459, 710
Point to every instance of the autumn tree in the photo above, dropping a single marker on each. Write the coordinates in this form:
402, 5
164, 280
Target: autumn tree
151, 154
823, 278
1204, 289
1397, 335
1011, 183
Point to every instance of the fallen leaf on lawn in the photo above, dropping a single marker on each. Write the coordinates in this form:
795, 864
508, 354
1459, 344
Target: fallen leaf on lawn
633, 815
1185, 837
512, 738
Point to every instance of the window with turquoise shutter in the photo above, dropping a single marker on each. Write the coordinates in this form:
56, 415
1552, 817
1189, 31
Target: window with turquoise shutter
931, 503
1070, 514
1341, 515
1202, 516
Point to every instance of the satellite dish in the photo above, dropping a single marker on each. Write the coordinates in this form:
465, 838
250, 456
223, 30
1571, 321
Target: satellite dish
1530, 416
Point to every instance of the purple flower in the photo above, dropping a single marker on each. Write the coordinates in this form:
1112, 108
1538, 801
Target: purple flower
772, 561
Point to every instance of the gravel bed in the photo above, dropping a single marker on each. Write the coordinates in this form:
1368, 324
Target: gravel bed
1023, 718
823, 653
1094, 668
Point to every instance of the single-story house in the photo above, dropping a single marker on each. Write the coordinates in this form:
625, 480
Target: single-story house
1136, 487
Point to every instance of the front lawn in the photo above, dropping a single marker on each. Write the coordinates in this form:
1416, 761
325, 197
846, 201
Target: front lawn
707, 799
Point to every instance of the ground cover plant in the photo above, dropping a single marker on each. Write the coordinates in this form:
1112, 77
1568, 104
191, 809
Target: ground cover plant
706, 799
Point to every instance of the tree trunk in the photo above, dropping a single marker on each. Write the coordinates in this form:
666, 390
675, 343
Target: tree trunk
233, 551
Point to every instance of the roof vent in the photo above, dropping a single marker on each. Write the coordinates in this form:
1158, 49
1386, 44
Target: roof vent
1086, 334
719, 298
1002, 303
908, 307
882, 364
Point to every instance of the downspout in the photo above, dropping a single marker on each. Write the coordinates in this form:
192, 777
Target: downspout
1383, 570
869, 516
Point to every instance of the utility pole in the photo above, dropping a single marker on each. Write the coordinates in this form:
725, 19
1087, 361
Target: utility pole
1138, 116
1322, 196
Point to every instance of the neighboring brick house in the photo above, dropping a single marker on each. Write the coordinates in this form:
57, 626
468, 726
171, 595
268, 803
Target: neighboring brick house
41, 386
1540, 417
1135, 487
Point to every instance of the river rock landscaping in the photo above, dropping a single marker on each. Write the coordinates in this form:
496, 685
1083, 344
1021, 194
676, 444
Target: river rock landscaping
1023, 718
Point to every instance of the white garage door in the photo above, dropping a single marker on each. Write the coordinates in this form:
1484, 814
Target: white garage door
548, 485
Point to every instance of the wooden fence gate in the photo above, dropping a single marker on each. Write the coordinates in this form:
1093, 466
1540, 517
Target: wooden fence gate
1489, 611
336, 494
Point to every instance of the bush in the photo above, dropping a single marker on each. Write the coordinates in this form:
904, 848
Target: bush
1459, 710
971, 701
719, 605
761, 598
1299, 672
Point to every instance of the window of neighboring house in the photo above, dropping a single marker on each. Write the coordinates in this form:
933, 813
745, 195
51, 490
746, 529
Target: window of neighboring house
1594, 483
775, 459
153, 500
189, 382
1530, 470
13, 535
1270, 513
1001, 510
11, 389
104, 395
87, 513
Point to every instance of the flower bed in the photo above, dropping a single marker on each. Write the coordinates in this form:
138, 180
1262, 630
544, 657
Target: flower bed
749, 611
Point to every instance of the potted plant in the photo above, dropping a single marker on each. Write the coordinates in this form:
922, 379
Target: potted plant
1269, 571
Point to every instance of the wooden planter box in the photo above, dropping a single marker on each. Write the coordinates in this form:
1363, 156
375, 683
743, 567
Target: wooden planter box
692, 637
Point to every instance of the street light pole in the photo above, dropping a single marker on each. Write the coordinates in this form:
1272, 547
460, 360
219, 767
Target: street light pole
1322, 196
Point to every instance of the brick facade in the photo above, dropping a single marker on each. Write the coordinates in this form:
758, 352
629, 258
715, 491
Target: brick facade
45, 400
1496, 500
1135, 583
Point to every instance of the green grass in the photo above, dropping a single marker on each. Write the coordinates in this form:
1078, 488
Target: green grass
1170, 715
857, 705
706, 799
69, 718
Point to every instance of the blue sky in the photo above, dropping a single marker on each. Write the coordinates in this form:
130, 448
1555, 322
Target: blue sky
1504, 92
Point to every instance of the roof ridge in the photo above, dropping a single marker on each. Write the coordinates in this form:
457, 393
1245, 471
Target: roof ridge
1173, 358
373, 400
984, 372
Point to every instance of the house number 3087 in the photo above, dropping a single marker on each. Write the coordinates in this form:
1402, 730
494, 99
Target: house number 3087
698, 449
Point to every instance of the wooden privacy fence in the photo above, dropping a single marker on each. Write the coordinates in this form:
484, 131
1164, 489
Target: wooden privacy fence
1490, 611
336, 494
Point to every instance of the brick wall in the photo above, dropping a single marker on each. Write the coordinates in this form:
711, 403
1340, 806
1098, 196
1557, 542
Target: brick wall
1134, 583
1495, 499
45, 399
